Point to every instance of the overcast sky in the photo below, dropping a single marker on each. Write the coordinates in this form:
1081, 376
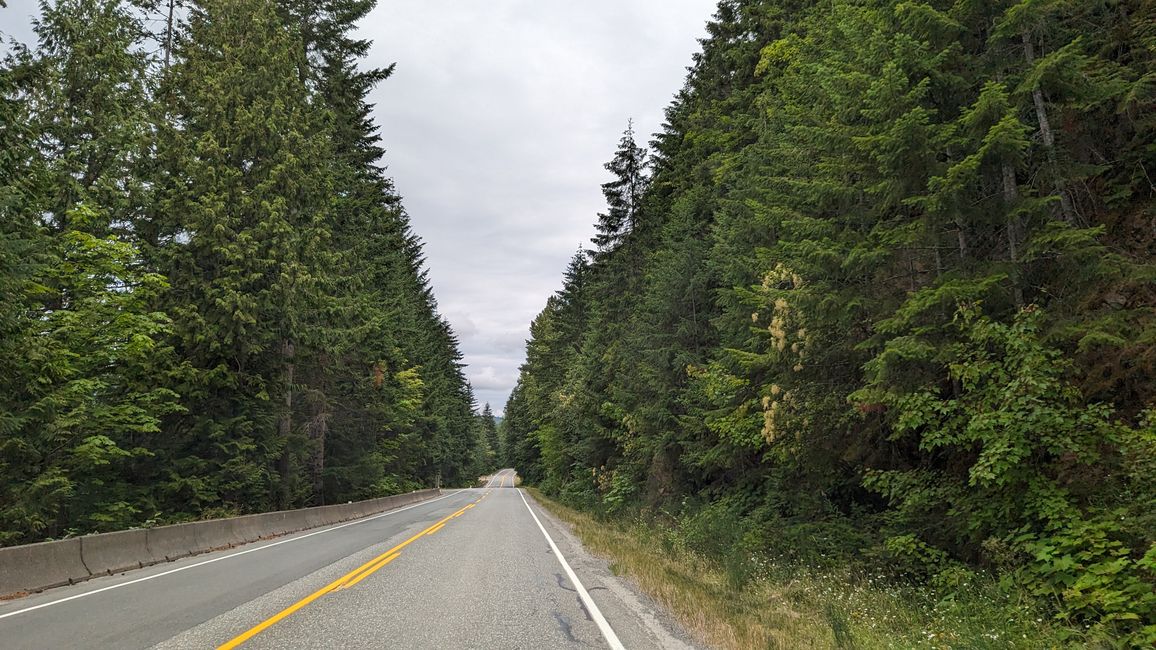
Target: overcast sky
496, 124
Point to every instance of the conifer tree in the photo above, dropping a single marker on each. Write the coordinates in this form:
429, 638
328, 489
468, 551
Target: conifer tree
83, 410
20, 263
881, 240
623, 194
297, 356
390, 353
249, 246
490, 433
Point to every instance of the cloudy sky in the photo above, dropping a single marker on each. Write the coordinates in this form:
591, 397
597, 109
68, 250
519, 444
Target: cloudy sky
496, 123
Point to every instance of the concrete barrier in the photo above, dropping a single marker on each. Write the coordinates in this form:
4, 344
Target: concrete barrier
212, 535
287, 521
33, 567
233, 534
248, 528
110, 553
292, 521
171, 542
344, 512
319, 516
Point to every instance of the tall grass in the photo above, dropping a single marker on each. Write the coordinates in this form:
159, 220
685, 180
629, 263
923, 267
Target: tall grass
764, 602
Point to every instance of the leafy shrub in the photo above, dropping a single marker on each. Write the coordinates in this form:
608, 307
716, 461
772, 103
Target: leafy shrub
715, 530
1016, 450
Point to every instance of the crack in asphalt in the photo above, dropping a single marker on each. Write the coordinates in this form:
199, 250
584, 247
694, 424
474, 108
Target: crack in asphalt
582, 606
562, 583
564, 624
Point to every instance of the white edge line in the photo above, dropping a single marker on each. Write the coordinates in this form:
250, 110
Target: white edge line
225, 557
595, 613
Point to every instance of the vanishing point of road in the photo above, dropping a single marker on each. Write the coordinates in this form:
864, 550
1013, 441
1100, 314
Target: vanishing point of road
476, 568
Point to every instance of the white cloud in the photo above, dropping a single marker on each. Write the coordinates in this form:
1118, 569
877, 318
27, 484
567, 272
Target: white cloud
488, 378
497, 123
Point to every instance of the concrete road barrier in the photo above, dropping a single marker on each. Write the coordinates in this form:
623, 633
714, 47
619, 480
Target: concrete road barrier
248, 528
171, 542
114, 552
346, 511
292, 521
33, 567
321, 516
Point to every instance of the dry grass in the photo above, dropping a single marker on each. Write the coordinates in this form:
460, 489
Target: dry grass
696, 592
802, 608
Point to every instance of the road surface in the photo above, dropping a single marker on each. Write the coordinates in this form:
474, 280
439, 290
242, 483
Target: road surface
477, 568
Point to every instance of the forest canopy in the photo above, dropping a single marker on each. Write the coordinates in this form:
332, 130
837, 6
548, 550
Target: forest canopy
880, 289
211, 300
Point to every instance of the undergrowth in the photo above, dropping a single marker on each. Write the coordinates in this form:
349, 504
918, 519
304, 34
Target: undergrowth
734, 599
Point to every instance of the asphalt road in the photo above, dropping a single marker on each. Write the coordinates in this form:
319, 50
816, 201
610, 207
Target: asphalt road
478, 568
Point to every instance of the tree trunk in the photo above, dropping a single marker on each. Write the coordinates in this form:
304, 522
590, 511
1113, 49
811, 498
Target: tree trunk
1049, 139
285, 424
320, 431
938, 258
961, 242
169, 34
1014, 230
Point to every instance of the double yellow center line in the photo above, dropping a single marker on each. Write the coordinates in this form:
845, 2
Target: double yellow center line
346, 581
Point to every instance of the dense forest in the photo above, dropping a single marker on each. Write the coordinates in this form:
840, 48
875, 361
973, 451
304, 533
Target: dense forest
880, 291
211, 301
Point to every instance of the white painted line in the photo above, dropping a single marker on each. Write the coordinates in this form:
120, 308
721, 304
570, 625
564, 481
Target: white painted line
225, 557
595, 613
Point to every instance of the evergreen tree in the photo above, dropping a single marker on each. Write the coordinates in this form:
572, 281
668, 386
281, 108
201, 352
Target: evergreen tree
296, 358
250, 195
391, 353
490, 435
623, 194
82, 409
881, 239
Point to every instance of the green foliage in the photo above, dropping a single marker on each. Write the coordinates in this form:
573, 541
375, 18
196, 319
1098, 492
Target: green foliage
623, 194
88, 408
1036, 478
488, 453
891, 285
210, 299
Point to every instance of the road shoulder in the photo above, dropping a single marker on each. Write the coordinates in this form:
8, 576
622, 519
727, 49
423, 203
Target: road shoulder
637, 619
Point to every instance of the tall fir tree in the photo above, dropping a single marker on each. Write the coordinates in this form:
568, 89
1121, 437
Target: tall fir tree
623, 194
490, 435
249, 197
83, 409
881, 240
297, 358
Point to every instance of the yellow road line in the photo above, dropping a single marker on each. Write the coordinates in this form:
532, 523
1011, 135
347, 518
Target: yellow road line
371, 570
347, 580
364, 571
434, 530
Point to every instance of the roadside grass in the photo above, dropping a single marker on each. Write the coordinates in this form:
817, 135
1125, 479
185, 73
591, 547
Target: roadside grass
779, 606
